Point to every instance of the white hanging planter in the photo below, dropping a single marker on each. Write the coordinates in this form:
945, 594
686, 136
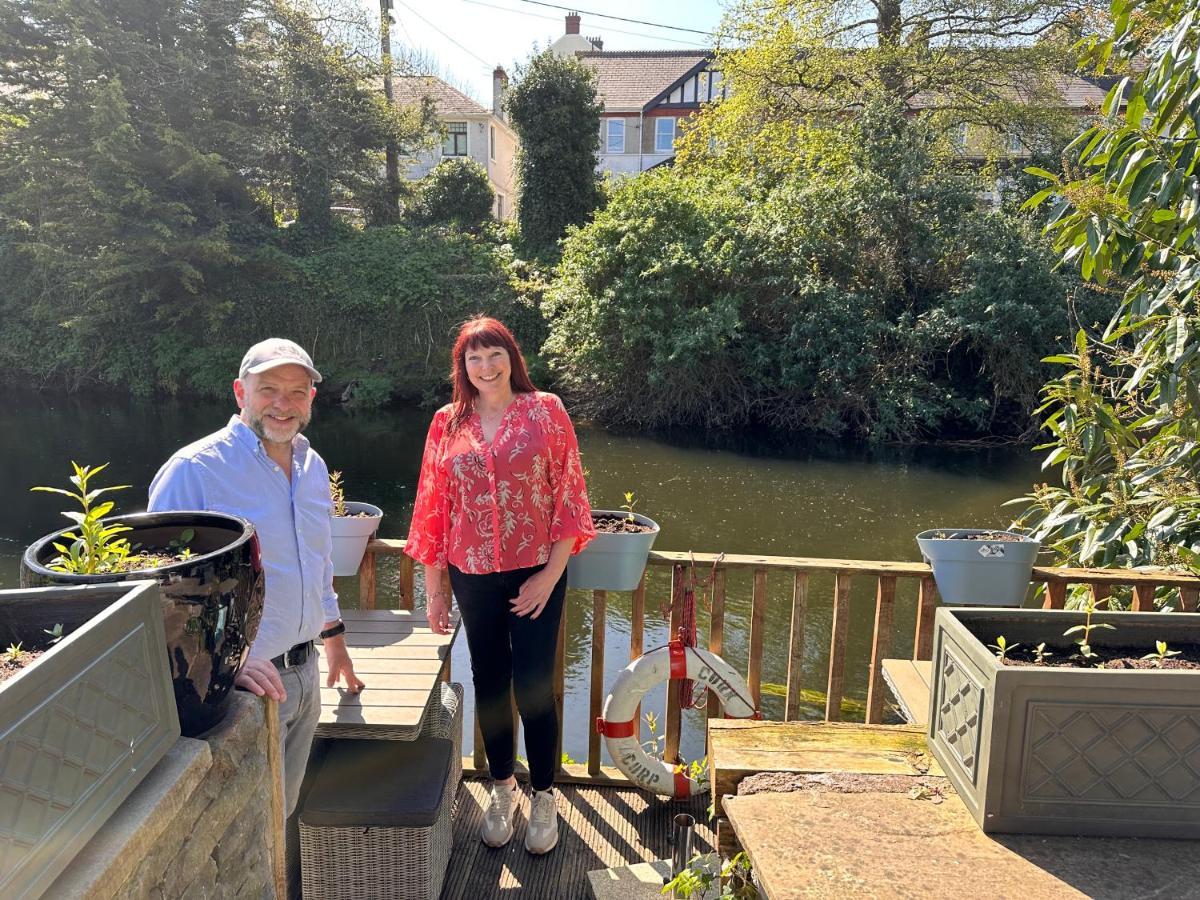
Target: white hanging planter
351, 534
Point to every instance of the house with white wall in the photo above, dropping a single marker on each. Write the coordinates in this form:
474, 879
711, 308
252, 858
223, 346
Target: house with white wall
469, 130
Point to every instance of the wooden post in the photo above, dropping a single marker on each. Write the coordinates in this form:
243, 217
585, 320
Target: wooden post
278, 813
366, 581
795, 672
674, 723
837, 647
716, 632
881, 645
599, 607
1189, 599
1143, 597
637, 636
926, 607
405, 600
1056, 595
758, 617
1100, 592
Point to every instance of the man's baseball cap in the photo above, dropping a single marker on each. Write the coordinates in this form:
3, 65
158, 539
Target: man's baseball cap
276, 352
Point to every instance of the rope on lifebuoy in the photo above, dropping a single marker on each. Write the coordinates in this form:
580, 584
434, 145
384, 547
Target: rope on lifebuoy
620, 729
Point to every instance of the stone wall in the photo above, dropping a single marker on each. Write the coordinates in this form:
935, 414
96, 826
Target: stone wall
197, 827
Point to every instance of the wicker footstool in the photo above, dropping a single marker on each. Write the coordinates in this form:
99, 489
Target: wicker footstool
376, 824
444, 719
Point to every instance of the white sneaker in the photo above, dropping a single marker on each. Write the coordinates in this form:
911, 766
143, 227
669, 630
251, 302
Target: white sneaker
542, 834
498, 820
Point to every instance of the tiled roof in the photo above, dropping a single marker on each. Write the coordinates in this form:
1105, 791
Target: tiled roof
629, 79
409, 89
1074, 93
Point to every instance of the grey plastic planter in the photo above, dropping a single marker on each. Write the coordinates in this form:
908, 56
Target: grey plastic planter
979, 573
1067, 751
80, 727
351, 534
612, 562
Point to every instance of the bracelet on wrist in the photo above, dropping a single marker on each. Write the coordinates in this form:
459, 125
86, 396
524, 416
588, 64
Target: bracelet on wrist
333, 631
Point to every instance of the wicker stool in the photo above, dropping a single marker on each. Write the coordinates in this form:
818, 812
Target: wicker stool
376, 824
444, 719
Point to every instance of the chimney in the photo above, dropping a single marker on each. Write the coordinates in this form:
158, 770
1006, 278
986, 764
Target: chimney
596, 43
573, 23
499, 86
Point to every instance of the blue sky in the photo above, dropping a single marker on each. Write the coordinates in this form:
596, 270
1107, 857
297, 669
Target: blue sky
469, 37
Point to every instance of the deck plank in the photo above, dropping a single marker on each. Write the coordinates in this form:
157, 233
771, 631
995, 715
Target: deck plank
909, 683
599, 827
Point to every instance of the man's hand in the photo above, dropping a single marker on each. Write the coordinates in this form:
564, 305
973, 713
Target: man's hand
261, 678
337, 658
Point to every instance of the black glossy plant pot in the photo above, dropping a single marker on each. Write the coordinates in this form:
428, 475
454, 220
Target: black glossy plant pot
212, 603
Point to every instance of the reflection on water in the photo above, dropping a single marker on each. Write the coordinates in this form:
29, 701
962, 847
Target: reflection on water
740, 493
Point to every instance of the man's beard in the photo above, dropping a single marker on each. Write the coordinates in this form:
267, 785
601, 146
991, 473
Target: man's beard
258, 426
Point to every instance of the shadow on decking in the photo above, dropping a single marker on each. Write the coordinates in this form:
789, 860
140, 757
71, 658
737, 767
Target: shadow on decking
599, 827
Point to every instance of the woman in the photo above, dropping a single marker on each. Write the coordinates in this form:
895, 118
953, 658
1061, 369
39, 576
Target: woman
501, 503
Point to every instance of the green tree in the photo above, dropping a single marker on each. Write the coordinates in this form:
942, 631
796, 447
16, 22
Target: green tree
993, 63
1123, 413
552, 107
457, 192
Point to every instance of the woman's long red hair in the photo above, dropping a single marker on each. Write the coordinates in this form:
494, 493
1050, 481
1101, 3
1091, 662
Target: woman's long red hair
482, 331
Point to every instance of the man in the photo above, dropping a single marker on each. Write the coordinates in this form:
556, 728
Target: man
260, 467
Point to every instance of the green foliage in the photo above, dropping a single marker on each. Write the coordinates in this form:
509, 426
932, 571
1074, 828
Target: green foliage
95, 548
1125, 436
552, 107
868, 296
1084, 643
337, 494
1002, 648
1161, 654
457, 192
703, 873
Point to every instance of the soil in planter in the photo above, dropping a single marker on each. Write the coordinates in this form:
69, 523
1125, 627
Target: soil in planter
357, 515
9, 668
990, 536
619, 525
1109, 658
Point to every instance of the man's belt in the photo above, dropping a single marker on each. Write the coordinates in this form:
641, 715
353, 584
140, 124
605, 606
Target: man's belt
296, 656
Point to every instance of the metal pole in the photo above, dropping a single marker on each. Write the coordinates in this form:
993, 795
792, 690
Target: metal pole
683, 833
390, 152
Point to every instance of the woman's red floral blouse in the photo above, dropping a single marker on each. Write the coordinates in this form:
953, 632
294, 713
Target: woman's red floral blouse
493, 508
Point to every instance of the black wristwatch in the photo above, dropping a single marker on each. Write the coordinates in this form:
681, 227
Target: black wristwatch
339, 628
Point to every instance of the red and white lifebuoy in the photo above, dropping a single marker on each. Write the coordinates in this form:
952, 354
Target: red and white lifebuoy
620, 728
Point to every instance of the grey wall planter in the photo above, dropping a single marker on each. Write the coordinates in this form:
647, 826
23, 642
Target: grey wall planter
612, 562
80, 727
1064, 750
351, 534
978, 573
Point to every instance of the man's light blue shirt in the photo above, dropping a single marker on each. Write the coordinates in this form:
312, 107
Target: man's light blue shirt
229, 471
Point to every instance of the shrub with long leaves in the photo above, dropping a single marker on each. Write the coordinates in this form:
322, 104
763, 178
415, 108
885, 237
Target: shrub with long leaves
95, 547
1122, 415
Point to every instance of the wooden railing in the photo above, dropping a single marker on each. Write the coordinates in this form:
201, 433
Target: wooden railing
797, 571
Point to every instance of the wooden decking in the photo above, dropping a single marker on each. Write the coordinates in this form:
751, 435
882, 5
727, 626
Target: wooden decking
599, 827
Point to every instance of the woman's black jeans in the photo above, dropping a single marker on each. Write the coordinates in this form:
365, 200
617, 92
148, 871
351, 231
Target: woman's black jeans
514, 651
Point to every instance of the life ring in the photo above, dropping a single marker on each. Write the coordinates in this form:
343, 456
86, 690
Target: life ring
620, 728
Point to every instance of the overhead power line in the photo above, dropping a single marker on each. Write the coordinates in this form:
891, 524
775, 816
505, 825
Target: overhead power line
601, 15
533, 15
470, 53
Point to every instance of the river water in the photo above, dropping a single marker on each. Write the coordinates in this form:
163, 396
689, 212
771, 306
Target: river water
737, 494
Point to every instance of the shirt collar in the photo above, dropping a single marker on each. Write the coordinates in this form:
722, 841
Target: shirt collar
252, 442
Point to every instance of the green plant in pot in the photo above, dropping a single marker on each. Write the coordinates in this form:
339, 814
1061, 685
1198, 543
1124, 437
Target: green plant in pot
209, 573
353, 525
977, 567
615, 558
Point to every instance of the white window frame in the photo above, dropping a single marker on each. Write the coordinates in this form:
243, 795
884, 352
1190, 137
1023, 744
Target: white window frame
658, 135
610, 133
450, 140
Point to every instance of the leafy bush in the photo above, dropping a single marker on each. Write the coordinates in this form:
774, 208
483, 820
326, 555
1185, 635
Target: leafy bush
871, 299
457, 192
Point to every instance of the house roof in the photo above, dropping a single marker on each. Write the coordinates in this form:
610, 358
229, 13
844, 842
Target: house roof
627, 80
448, 101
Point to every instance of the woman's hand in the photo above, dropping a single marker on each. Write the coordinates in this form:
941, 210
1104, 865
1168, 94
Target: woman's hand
437, 611
534, 594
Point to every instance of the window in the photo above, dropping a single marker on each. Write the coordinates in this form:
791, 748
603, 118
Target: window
1014, 145
492, 142
500, 207
664, 134
615, 140
455, 143
958, 136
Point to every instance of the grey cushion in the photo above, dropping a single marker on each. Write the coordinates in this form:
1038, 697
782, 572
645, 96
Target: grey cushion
381, 783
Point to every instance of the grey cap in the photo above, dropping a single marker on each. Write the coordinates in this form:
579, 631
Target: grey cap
276, 352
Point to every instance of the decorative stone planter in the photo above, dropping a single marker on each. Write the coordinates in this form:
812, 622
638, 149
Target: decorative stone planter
351, 534
211, 603
82, 725
972, 572
612, 562
1068, 751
